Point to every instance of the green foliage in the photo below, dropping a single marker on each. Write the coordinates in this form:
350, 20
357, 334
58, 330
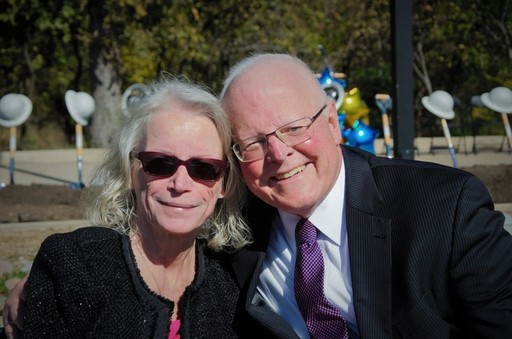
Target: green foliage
6, 276
47, 48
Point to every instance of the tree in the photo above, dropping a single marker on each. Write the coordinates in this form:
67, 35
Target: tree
462, 46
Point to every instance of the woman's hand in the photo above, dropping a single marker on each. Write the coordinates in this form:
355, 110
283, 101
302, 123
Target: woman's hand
12, 313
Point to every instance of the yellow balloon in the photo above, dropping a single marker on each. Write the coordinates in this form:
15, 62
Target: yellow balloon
354, 107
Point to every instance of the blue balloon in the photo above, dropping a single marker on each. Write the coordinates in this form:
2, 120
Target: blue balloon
326, 78
341, 120
333, 87
360, 135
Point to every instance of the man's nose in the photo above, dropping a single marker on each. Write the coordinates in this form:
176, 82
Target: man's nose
277, 150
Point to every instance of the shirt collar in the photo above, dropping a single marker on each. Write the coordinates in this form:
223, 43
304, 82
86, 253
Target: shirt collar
327, 217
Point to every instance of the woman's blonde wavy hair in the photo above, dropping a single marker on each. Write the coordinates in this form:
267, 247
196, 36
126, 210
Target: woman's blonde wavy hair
109, 199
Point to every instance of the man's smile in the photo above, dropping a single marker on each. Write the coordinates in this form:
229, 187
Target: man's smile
289, 174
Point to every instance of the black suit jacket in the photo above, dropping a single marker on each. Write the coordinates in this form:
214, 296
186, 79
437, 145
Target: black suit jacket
429, 255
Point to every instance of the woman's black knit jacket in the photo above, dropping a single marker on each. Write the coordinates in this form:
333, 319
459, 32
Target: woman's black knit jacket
85, 284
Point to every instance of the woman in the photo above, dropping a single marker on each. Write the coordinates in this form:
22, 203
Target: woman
168, 187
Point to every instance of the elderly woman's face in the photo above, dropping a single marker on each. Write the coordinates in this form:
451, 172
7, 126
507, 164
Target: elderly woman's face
177, 204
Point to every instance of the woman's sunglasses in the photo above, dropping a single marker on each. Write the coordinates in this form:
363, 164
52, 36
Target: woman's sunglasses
163, 165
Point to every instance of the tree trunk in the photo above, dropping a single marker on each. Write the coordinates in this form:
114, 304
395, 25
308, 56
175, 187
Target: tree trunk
107, 96
105, 75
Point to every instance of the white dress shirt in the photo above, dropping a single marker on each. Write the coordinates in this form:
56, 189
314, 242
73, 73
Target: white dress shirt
277, 276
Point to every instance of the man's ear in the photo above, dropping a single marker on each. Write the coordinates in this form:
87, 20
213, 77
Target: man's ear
333, 122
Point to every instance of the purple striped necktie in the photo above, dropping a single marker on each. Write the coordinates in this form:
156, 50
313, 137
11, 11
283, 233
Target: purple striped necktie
322, 318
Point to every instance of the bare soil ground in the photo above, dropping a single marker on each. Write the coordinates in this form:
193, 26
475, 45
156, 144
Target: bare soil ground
37, 202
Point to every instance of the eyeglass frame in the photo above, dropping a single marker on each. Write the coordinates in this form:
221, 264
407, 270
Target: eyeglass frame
222, 165
263, 138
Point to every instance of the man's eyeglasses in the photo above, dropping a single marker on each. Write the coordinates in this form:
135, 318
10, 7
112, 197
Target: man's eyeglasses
291, 134
164, 165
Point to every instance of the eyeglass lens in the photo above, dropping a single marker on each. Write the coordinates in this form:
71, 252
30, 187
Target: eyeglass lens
291, 134
158, 164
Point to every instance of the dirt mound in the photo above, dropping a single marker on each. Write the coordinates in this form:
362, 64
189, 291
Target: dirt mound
22, 203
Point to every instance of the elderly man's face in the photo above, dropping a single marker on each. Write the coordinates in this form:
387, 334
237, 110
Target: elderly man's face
292, 178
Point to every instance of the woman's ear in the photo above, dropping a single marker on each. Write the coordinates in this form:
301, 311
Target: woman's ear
225, 182
222, 194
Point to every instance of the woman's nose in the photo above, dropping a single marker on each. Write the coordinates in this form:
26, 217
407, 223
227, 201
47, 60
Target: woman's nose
180, 180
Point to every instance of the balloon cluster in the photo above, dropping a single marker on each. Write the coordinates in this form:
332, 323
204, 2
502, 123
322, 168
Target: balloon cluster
353, 113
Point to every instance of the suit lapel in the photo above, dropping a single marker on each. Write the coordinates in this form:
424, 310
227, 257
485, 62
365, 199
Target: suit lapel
247, 267
261, 312
369, 240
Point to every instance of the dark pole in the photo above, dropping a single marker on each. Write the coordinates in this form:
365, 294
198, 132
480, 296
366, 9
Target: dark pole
403, 109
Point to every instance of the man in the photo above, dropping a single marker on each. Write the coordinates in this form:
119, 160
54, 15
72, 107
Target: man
411, 249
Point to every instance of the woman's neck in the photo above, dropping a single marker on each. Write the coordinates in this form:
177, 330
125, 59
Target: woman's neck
167, 267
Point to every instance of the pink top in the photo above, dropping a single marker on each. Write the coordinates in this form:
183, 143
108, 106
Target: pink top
174, 328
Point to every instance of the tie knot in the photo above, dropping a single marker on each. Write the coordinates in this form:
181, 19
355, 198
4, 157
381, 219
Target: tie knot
305, 231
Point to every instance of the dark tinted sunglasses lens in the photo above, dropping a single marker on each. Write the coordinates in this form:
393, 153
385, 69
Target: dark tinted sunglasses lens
204, 170
161, 166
